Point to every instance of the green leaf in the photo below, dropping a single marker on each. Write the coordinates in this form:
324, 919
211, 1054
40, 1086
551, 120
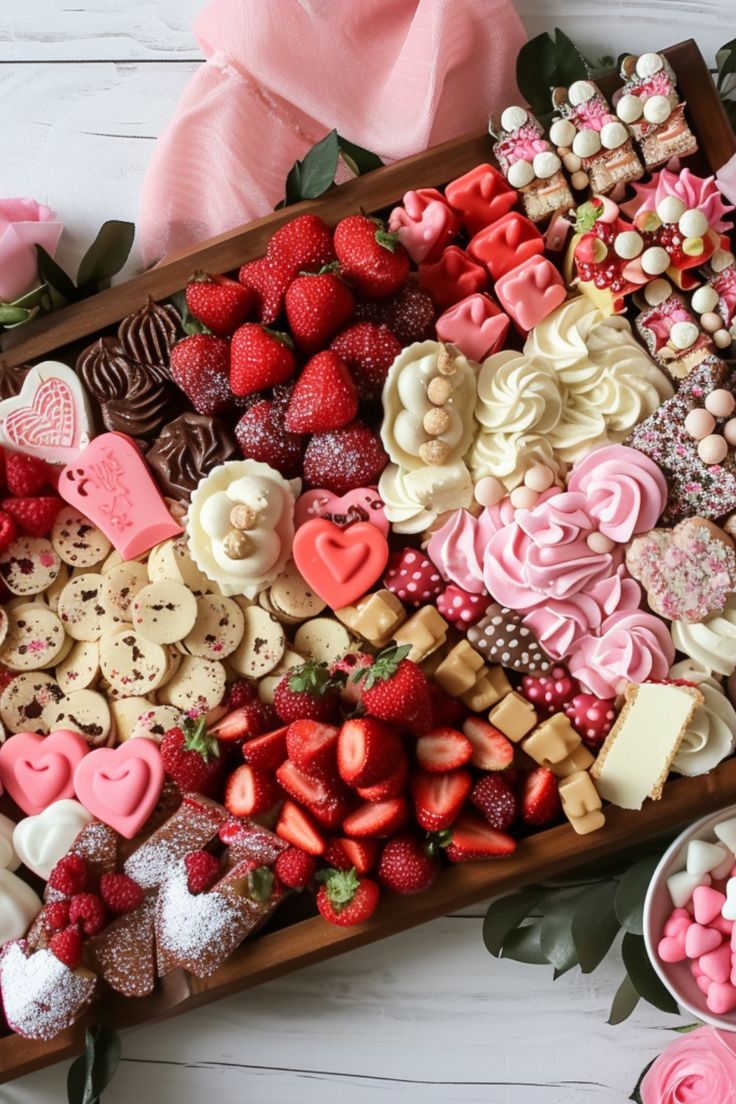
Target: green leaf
312, 176
631, 892
107, 254
556, 941
261, 883
643, 977
624, 1002
523, 945
31, 299
506, 914
360, 160
726, 62
60, 285
595, 926
636, 1094
91, 1073
545, 62
570, 65
13, 316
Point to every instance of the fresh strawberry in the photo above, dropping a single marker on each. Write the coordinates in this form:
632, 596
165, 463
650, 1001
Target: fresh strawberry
219, 303
344, 854
492, 751
322, 797
88, 910
34, 516
395, 689
540, 798
369, 351
306, 241
410, 314
438, 798
377, 818
312, 746
443, 749
550, 693
120, 893
370, 258
345, 458
317, 306
324, 397
591, 717
2, 467
241, 692
446, 710
473, 840
412, 577
345, 667
495, 799
267, 752
26, 475
68, 946
250, 791
367, 751
251, 720
297, 827
200, 366
8, 530
306, 692
69, 876
262, 435
346, 899
393, 785
56, 915
405, 866
295, 868
267, 280
203, 870
259, 358
460, 607
190, 756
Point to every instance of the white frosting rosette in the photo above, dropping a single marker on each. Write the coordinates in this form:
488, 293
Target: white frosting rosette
712, 642
269, 538
711, 734
413, 500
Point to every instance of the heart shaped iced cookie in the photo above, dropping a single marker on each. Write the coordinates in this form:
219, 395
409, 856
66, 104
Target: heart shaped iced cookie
40, 841
362, 504
121, 785
38, 770
340, 565
50, 417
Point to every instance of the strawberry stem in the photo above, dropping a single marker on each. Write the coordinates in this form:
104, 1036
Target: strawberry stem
384, 666
261, 883
341, 886
197, 738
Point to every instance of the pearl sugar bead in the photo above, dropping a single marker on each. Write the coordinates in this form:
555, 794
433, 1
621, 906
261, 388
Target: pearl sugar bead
699, 423
523, 498
720, 403
722, 339
579, 180
656, 292
712, 449
489, 491
598, 543
729, 431
710, 321
436, 421
439, 390
539, 477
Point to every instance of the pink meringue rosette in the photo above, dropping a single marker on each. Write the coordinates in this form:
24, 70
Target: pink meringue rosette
699, 193
625, 492
559, 626
631, 646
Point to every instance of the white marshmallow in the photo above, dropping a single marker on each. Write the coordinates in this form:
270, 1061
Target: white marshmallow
648, 64
721, 259
702, 856
613, 135
657, 109
655, 260
670, 209
513, 118
546, 164
693, 224
629, 108
580, 92
562, 132
681, 885
705, 299
586, 143
520, 174
628, 244
683, 335
656, 292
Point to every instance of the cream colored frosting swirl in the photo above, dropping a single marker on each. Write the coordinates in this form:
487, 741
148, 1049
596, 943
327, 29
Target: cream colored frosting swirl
711, 642
413, 500
509, 456
711, 734
517, 393
405, 404
272, 497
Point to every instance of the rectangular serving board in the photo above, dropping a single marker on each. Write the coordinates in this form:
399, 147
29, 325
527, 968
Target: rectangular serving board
545, 855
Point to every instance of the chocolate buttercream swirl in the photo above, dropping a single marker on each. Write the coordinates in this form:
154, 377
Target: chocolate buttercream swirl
105, 369
148, 335
187, 449
11, 380
131, 399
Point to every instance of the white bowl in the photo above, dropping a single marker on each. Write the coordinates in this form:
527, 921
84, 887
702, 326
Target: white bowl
676, 976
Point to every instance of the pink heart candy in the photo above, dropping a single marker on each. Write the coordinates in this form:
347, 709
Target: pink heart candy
717, 964
121, 785
679, 920
425, 224
672, 948
362, 504
700, 940
38, 770
704, 983
707, 903
695, 969
721, 998
721, 924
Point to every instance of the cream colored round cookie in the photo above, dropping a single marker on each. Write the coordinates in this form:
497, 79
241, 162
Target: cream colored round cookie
171, 560
199, 685
29, 565
155, 722
120, 585
115, 559
51, 595
4, 624
267, 685
262, 646
80, 668
131, 664
77, 540
173, 663
164, 612
264, 601
125, 713
218, 627
23, 701
80, 608
323, 640
84, 711
35, 638
291, 594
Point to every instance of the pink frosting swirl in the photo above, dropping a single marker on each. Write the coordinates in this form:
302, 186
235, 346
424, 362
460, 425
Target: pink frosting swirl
696, 192
632, 646
544, 554
625, 492
560, 625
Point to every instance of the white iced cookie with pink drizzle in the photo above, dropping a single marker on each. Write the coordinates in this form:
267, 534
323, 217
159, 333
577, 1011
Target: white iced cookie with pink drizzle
241, 525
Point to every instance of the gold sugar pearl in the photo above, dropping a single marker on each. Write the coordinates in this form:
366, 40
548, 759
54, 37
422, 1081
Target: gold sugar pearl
436, 421
434, 453
445, 362
236, 545
439, 390
243, 516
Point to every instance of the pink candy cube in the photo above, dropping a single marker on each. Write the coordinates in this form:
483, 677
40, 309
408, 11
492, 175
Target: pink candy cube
425, 224
530, 292
476, 325
505, 244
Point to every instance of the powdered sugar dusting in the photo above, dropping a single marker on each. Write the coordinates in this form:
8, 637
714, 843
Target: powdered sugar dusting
41, 995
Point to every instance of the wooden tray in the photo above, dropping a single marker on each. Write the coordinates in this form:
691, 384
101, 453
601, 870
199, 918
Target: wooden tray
549, 853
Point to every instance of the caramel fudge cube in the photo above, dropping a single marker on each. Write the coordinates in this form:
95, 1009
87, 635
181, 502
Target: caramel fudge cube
581, 803
458, 672
514, 716
425, 631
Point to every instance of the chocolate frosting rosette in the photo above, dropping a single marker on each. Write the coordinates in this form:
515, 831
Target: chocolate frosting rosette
187, 449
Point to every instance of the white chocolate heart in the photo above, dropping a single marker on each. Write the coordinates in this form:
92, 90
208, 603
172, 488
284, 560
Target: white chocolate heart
8, 858
702, 857
50, 418
682, 884
40, 841
18, 906
726, 833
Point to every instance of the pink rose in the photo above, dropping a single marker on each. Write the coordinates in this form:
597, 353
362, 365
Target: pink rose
23, 225
632, 646
698, 1068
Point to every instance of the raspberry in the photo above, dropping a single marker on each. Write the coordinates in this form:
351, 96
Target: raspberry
203, 870
8, 530
295, 868
412, 577
120, 893
459, 607
262, 435
369, 351
56, 915
69, 876
35, 516
27, 475
67, 946
88, 910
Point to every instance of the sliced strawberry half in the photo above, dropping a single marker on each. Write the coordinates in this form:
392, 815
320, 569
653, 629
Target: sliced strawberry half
297, 827
492, 751
312, 746
325, 800
344, 854
250, 791
367, 751
392, 786
473, 840
540, 798
438, 798
443, 749
377, 818
267, 752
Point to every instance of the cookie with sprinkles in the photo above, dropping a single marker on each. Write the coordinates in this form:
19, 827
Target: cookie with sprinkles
501, 637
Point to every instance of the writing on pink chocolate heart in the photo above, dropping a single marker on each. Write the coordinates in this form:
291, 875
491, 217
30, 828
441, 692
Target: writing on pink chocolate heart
121, 785
340, 565
362, 504
49, 418
39, 770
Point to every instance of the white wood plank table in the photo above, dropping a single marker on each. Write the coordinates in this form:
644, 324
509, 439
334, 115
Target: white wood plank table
427, 1016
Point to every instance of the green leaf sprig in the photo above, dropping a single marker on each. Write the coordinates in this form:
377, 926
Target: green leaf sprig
544, 62
91, 1073
315, 173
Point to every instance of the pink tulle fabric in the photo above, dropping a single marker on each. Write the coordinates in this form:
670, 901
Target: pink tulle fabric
395, 76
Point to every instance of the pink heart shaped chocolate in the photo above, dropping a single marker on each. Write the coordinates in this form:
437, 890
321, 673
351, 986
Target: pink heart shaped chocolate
121, 785
672, 948
717, 964
340, 565
38, 770
699, 940
475, 324
361, 504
